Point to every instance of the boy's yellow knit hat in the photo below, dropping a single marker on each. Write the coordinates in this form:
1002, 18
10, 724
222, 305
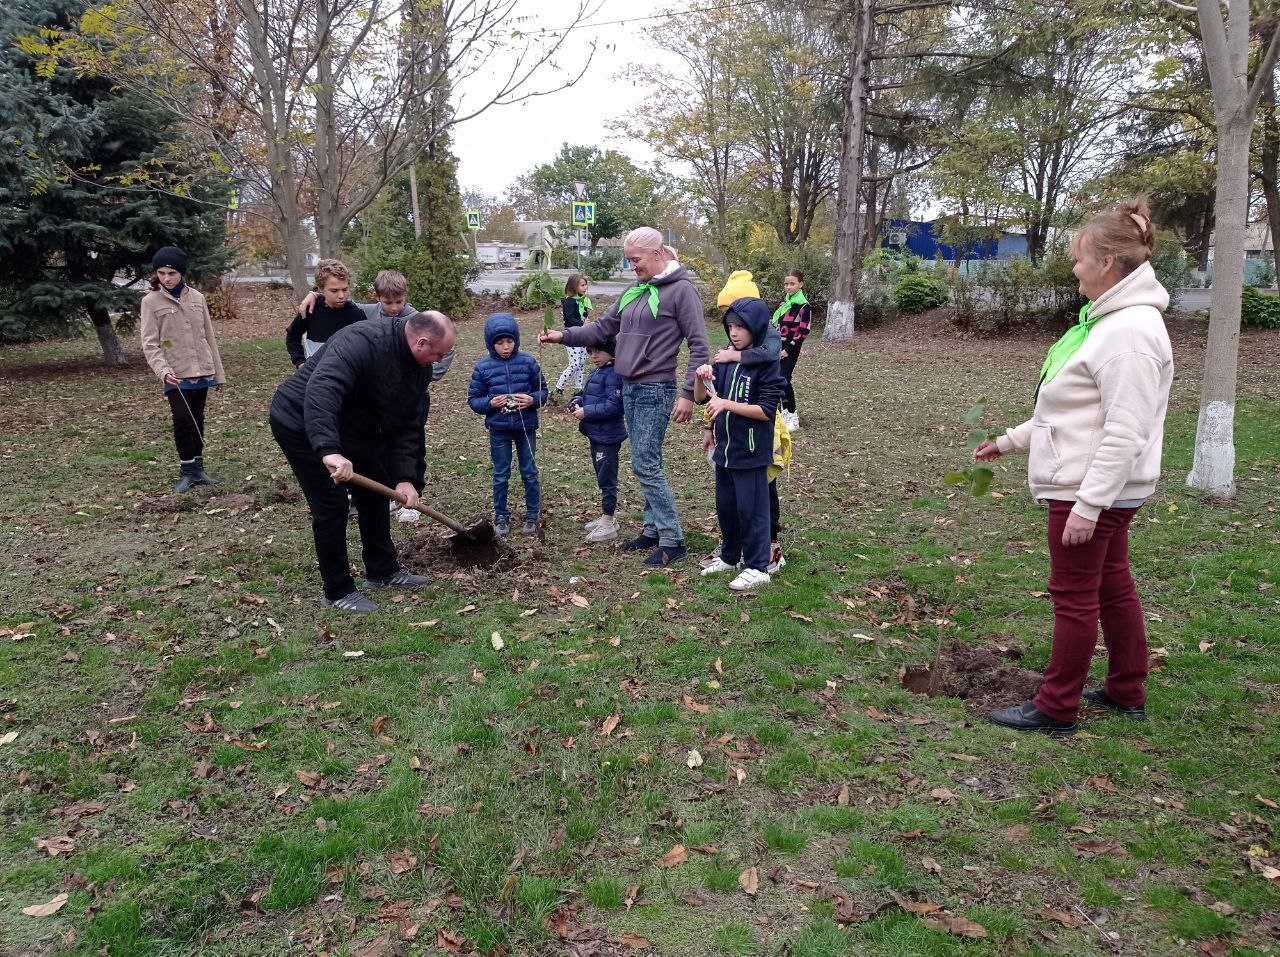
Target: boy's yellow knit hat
738, 287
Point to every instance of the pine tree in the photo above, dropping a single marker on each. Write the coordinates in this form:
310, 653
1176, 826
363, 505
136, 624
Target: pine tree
438, 260
91, 183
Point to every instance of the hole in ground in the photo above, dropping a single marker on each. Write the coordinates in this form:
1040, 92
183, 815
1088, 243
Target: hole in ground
980, 675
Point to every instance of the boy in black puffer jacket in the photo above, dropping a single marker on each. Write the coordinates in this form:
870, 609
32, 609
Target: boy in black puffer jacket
599, 414
507, 388
742, 411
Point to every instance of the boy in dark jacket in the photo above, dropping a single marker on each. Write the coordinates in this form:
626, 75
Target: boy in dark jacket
507, 388
333, 311
599, 414
742, 411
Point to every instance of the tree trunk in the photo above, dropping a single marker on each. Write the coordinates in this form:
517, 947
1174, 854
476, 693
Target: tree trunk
846, 259
1271, 165
328, 216
1213, 470
283, 185
112, 351
413, 200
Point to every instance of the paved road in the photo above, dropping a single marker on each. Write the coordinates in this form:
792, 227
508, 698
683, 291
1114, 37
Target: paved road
501, 280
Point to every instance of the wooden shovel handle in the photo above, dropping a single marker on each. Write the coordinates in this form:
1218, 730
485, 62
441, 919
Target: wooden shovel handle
395, 496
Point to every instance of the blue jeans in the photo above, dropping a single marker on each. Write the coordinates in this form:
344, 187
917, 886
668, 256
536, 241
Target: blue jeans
647, 408
500, 444
605, 460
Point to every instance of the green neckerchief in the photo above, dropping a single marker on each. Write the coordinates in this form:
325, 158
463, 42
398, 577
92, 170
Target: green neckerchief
795, 299
635, 292
1067, 346
584, 303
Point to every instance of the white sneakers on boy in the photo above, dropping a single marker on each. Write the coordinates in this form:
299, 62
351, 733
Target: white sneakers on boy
717, 566
589, 526
602, 531
748, 580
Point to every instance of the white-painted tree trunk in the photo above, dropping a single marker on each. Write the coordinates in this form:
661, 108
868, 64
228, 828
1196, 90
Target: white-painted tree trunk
846, 263
1235, 102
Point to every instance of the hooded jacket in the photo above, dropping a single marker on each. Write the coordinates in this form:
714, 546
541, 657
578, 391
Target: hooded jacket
495, 376
741, 442
601, 401
361, 396
649, 346
1096, 435
178, 337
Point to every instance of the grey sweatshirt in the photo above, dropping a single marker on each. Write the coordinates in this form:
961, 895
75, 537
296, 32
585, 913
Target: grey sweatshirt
648, 347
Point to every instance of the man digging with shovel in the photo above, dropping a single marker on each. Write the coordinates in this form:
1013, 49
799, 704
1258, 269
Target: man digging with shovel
357, 405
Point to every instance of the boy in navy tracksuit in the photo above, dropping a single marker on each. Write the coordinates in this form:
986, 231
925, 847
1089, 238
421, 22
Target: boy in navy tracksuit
742, 413
507, 388
599, 414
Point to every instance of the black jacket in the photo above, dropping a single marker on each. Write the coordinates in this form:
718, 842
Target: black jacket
362, 396
318, 327
743, 442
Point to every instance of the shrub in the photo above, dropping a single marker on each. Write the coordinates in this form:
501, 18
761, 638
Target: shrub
1171, 263
769, 260
875, 304
223, 301
562, 257
1259, 311
916, 292
883, 262
601, 265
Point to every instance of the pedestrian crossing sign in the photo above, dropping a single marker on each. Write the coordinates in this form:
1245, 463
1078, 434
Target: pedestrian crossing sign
584, 213
473, 219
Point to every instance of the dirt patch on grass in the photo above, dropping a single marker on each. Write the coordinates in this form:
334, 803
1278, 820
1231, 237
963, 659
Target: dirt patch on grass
983, 676
434, 554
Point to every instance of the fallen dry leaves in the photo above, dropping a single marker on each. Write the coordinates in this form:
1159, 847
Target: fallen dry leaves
959, 926
48, 908
749, 881
677, 855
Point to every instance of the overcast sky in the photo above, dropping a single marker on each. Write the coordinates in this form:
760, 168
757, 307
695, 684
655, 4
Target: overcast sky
505, 142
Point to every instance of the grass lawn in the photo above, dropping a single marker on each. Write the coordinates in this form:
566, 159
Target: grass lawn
202, 761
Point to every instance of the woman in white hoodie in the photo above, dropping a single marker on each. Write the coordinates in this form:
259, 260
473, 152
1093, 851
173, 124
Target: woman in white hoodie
1094, 445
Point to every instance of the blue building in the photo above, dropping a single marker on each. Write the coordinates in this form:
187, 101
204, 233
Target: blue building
923, 239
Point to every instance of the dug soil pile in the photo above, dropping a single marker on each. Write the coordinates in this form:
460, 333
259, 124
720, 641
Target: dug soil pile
435, 554
982, 675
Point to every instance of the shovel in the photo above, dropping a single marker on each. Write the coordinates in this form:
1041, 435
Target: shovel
479, 532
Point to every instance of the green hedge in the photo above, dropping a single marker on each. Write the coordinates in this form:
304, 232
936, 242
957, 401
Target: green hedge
916, 292
1258, 311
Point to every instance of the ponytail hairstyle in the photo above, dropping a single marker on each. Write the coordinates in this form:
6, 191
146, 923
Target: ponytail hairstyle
797, 275
1125, 233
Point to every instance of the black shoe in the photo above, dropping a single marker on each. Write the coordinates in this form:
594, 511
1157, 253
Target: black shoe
398, 579
201, 476
189, 477
355, 603
502, 526
666, 554
1099, 697
1027, 717
641, 543
530, 526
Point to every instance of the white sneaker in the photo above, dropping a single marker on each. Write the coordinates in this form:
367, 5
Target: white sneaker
718, 566
710, 559
408, 515
593, 524
776, 560
749, 579
603, 532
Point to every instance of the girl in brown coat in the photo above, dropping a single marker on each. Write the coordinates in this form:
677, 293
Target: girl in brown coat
178, 341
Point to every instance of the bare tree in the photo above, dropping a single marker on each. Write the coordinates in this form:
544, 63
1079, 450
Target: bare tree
1236, 92
332, 99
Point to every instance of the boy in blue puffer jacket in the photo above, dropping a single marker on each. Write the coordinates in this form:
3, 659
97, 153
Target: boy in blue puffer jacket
507, 388
599, 414
742, 402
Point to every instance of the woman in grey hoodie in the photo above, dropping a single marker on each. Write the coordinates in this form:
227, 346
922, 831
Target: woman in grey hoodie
650, 321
